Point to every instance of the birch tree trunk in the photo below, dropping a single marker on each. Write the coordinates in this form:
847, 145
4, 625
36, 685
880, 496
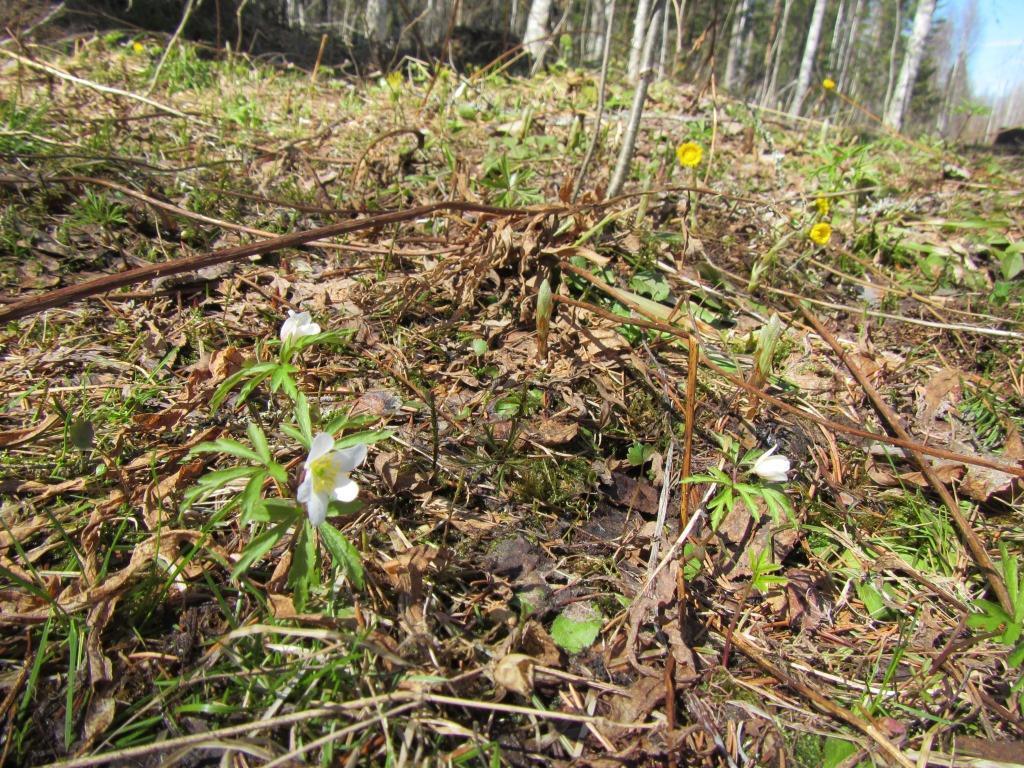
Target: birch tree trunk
837, 42
807, 62
535, 37
735, 52
636, 48
897, 33
897, 106
849, 43
778, 43
625, 160
376, 20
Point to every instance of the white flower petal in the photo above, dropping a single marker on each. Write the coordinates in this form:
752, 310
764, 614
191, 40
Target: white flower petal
346, 489
305, 488
316, 507
773, 469
297, 325
321, 445
347, 459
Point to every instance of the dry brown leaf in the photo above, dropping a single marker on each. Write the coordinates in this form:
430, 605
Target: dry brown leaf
164, 420
514, 672
14, 437
97, 720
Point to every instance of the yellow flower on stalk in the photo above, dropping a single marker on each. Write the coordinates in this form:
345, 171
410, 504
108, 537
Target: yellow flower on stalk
689, 154
828, 84
821, 233
823, 205
138, 47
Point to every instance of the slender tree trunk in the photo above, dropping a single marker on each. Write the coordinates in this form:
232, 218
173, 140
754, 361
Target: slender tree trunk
376, 21
803, 81
663, 47
778, 44
679, 7
625, 160
911, 61
849, 43
743, 76
535, 37
643, 10
837, 40
735, 52
890, 82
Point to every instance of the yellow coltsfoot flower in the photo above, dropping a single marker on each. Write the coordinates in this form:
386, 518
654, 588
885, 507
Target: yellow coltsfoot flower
828, 84
689, 154
821, 233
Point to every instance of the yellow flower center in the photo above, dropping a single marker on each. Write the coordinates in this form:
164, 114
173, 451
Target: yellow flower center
828, 84
322, 473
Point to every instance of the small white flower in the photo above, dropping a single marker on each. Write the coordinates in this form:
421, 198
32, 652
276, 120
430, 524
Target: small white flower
297, 325
327, 476
774, 469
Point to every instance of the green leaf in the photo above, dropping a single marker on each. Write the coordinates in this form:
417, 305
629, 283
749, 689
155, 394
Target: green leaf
261, 370
652, 284
228, 446
576, 628
259, 441
342, 421
247, 388
638, 454
991, 619
1012, 264
211, 481
279, 510
364, 438
258, 547
283, 373
301, 574
836, 751
872, 600
303, 420
296, 434
251, 500
279, 473
1016, 656
343, 554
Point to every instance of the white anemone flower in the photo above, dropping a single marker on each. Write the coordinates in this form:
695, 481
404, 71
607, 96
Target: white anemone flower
327, 477
297, 325
773, 469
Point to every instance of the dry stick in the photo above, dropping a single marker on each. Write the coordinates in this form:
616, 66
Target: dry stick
596, 138
782, 405
625, 160
692, 361
94, 86
189, 7
970, 538
751, 651
72, 293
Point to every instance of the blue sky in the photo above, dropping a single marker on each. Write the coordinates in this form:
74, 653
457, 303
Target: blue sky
997, 62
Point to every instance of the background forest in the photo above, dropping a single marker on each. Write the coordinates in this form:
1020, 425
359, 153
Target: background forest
904, 60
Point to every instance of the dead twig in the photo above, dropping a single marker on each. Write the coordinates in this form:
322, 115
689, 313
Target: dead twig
782, 405
829, 707
977, 549
72, 293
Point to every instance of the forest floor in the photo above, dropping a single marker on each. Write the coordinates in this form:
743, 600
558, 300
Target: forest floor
513, 583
